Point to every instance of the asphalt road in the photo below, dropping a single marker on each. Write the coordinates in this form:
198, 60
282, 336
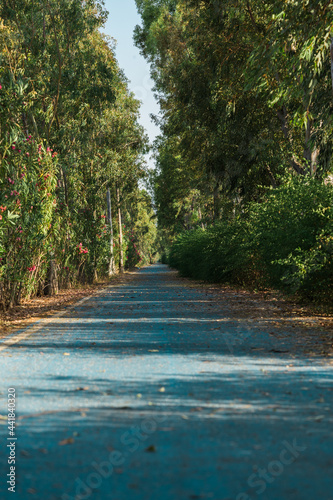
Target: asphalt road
150, 390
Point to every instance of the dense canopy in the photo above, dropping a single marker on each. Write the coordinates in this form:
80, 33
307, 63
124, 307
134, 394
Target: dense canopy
245, 89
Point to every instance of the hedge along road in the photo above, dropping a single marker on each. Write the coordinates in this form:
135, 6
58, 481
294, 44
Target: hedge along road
150, 389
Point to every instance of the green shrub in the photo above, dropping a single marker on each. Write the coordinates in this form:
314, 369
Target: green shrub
220, 253
286, 241
292, 235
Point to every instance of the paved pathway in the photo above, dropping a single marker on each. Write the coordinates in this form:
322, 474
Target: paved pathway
149, 390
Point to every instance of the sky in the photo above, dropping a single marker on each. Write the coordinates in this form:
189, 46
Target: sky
123, 17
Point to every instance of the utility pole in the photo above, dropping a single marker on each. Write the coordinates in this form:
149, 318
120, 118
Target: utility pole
111, 262
121, 254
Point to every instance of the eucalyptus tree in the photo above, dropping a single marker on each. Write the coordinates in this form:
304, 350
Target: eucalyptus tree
244, 87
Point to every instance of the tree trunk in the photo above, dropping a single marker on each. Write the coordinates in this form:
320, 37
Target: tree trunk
282, 116
332, 60
271, 176
310, 154
52, 285
307, 146
111, 262
121, 254
2, 296
19, 292
216, 201
200, 217
12, 295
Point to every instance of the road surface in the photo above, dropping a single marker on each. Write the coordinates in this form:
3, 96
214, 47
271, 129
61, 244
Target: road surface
151, 390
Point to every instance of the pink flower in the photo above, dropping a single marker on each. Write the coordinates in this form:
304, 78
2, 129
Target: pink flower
31, 269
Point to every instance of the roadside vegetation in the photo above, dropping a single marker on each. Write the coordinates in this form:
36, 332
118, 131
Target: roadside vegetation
243, 186
72, 208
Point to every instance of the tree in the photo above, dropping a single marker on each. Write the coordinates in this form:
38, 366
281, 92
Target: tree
68, 131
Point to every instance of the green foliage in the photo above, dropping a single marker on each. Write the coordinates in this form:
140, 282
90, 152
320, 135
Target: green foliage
68, 130
221, 253
286, 241
141, 231
246, 96
245, 90
28, 198
292, 235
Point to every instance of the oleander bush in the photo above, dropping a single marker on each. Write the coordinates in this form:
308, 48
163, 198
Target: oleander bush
69, 134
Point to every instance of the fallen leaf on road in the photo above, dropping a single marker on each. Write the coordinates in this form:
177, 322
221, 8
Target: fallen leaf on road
151, 449
66, 441
216, 410
319, 418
